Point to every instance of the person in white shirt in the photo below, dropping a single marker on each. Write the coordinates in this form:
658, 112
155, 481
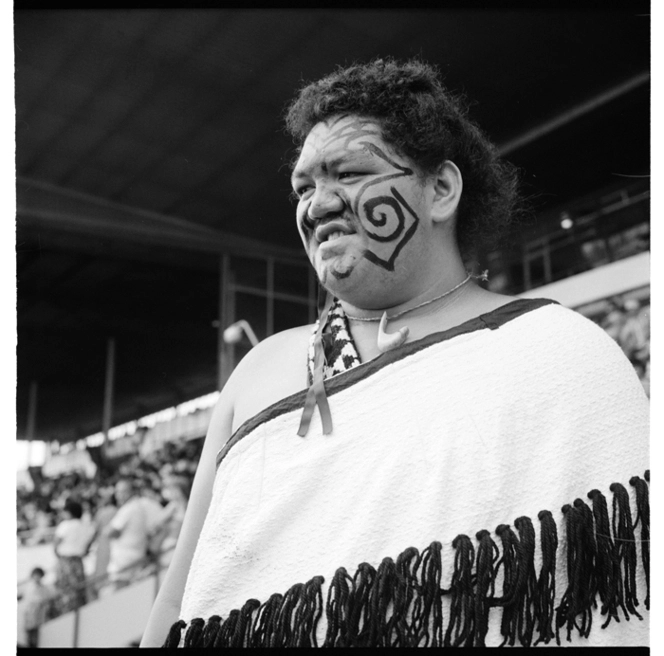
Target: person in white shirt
129, 532
72, 542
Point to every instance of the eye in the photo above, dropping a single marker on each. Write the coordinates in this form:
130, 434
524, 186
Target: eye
299, 192
349, 174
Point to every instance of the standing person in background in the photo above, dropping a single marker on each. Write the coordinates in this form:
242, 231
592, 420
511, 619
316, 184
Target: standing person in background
72, 542
102, 518
36, 601
176, 493
451, 466
129, 533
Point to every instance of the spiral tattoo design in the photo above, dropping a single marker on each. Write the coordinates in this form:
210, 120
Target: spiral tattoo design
386, 213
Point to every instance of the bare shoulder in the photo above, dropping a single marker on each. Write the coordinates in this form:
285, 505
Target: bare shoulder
272, 370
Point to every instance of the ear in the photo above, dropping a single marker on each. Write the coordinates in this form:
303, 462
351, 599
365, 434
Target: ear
447, 187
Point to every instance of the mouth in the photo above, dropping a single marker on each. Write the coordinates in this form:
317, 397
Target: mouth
332, 231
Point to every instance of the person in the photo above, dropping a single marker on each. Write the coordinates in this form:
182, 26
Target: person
36, 601
176, 493
72, 539
452, 466
129, 532
101, 542
634, 337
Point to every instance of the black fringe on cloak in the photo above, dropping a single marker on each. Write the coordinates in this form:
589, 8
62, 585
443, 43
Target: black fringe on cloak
399, 603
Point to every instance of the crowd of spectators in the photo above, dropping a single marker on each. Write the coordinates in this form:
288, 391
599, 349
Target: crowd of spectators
122, 521
627, 320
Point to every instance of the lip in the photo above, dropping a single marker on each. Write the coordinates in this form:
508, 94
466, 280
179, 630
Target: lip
324, 231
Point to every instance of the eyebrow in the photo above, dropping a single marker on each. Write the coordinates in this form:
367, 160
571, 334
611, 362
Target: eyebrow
333, 162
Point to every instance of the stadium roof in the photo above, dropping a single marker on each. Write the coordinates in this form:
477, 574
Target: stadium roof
150, 141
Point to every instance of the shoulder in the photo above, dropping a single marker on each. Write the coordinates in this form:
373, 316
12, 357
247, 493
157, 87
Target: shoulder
123, 511
566, 345
62, 527
272, 370
283, 352
568, 329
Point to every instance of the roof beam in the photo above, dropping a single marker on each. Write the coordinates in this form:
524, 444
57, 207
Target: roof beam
572, 114
46, 206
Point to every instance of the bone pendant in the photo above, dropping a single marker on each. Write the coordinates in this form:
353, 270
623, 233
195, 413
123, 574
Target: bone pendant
386, 342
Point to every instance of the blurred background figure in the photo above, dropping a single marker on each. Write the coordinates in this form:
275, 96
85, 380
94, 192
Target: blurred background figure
37, 600
129, 531
42, 521
175, 492
101, 542
72, 541
634, 336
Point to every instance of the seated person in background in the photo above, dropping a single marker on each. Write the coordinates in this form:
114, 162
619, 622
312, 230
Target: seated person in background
453, 466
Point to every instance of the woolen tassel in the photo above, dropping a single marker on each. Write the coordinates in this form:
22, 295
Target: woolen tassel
174, 635
427, 614
363, 582
380, 599
263, 627
508, 562
460, 627
211, 630
609, 584
407, 585
545, 595
643, 518
243, 624
227, 629
623, 533
308, 613
194, 635
575, 609
337, 610
527, 580
487, 555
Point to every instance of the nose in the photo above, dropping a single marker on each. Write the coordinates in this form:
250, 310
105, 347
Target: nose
325, 203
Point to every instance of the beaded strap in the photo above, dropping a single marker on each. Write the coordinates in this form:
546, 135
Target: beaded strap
340, 351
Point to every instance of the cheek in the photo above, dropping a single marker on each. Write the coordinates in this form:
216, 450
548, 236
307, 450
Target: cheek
304, 227
389, 220
383, 212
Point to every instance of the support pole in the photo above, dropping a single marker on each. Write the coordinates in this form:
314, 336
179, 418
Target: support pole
224, 268
226, 352
32, 418
107, 417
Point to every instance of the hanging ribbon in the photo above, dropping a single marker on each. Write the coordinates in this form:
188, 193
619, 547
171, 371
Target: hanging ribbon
316, 393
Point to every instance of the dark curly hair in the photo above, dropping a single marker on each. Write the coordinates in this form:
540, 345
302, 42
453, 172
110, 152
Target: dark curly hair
74, 508
423, 120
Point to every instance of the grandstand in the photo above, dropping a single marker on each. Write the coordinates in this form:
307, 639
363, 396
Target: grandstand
153, 214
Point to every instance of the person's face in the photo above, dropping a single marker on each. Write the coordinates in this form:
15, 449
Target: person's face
122, 492
362, 213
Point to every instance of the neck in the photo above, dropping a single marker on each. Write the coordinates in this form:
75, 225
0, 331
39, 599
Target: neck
435, 296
